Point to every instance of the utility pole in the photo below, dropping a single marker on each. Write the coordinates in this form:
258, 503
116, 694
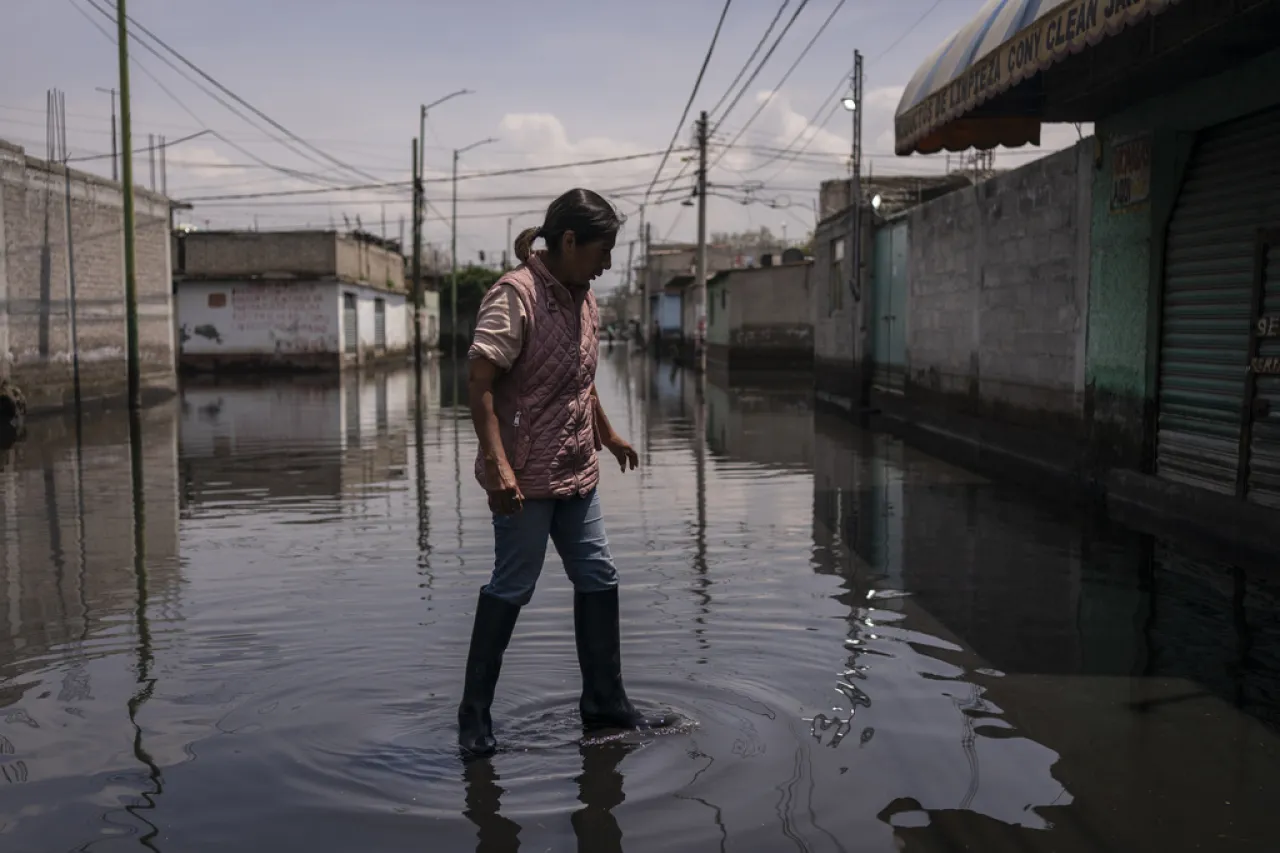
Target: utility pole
151, 158
453, 246
700, 276
854, 104
648, 278
420, 216
507, 247
115, 155
126, 169
417, 257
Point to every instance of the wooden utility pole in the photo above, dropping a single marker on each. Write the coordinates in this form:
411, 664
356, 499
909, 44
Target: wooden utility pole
700, 279
126, 177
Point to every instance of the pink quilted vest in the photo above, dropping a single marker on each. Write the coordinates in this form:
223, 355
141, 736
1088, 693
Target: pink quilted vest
545, 412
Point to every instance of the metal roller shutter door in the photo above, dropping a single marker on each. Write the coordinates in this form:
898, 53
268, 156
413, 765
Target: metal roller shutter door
1231, 191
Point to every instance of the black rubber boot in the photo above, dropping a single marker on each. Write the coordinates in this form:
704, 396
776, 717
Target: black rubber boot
495, 620
604, 702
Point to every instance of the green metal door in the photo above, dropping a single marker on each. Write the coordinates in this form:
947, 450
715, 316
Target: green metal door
1211, 303
888, 306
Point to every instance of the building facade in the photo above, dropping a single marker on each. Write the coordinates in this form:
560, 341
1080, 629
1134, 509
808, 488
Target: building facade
62, 306
305, 300
1149, 308
759, 319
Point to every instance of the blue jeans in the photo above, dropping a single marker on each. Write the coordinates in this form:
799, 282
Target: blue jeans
574, 525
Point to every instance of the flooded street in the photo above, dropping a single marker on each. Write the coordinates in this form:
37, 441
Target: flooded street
878, 651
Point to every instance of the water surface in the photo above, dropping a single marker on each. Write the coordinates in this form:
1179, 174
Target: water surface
879, 651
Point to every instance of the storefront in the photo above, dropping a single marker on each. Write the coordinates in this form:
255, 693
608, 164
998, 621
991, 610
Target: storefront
1181, 343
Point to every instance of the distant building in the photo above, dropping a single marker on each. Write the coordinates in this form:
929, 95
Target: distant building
759, 319
858, 331
307, 300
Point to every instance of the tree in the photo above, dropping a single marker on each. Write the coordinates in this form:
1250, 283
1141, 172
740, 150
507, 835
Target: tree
473, 283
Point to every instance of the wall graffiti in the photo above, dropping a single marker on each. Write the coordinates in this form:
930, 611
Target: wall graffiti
280, 308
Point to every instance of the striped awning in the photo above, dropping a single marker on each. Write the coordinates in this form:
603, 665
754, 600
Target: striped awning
1008, 42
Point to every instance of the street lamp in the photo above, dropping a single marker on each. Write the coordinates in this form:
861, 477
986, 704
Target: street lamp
453, 246
419, 217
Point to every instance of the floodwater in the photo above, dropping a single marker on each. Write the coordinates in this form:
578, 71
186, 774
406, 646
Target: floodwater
261, 649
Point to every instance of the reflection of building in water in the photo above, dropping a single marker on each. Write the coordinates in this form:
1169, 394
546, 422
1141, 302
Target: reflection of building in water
67, 553
857, 503
297, 437
770, 426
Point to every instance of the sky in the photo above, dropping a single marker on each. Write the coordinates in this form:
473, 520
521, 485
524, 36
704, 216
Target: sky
551, 83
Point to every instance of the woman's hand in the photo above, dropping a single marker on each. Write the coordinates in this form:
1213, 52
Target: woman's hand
504, 492
623, 452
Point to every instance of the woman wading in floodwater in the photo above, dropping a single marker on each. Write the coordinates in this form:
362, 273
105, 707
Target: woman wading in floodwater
532, 369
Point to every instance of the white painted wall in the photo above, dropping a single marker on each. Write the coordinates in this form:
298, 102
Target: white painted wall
398, 317
258, 318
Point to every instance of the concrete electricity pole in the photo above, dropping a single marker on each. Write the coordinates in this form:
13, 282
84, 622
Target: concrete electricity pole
115, 153
453, 247
700, 276
126, 168
853, 103
417, 258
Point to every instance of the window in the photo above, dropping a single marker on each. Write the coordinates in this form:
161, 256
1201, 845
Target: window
836, 278
217, 300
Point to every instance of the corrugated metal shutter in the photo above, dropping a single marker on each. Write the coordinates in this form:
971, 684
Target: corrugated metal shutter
1229, 193
379, 324
1264, 445
350, 325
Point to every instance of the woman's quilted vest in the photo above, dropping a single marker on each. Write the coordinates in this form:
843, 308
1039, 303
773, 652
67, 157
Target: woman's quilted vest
544, 406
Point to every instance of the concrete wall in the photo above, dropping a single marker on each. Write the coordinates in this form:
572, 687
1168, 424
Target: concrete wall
1128, 248
359, 261
998, 295
430, 320
839, 334
761, 318
236, 254
295, 254
35, 334
289, 322
399, 317
286, 324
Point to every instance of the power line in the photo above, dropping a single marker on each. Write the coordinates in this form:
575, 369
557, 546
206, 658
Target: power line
467, 176
696, 84
208, 77
841, 83
822, 29
183, 105
760, 67
743, 70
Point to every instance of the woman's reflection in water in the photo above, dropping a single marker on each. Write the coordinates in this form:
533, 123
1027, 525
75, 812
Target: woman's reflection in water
496, 834
599, 791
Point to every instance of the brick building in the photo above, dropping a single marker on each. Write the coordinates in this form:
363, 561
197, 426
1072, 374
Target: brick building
36, 286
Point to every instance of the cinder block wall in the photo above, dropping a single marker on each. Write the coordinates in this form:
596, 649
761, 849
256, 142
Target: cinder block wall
249, 254
35, 337
998, 279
